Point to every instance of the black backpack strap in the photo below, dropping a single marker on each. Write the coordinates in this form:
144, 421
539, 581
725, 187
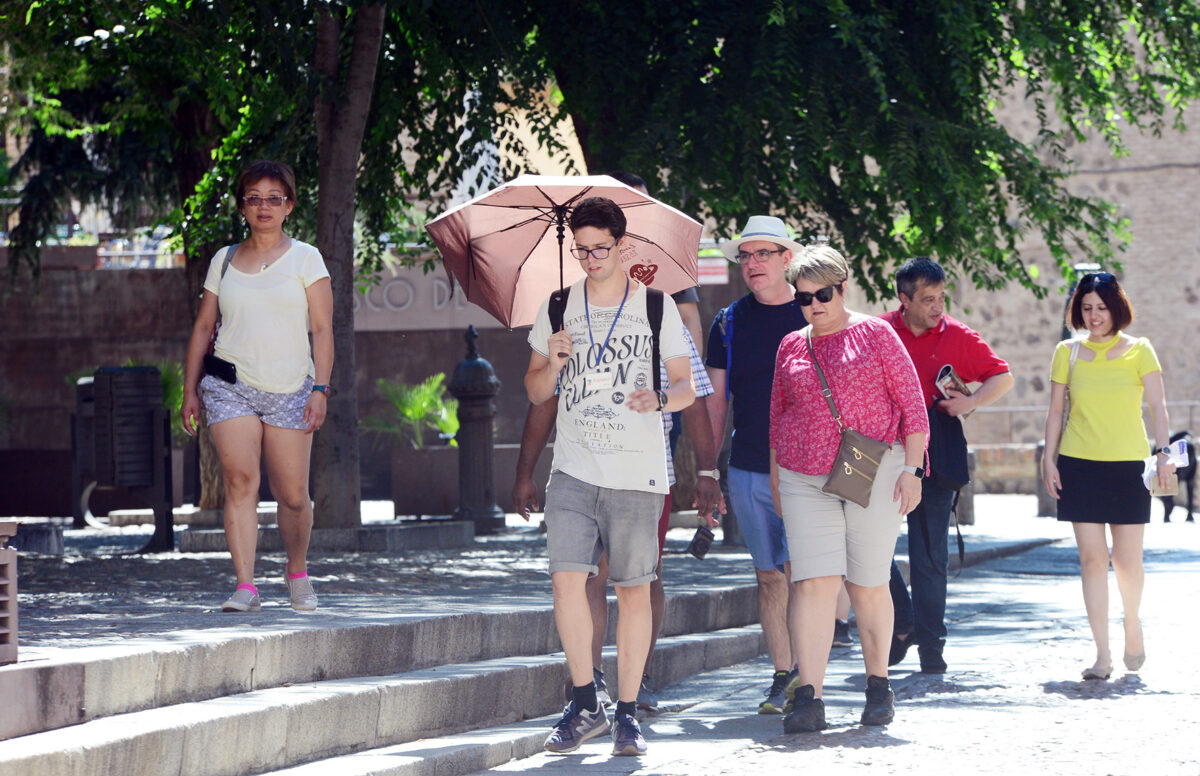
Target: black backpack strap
558, 306
654, 312
961, 548
229, 257
224, 268
725, 320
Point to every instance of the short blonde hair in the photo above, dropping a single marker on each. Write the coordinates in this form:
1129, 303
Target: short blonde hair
818, 264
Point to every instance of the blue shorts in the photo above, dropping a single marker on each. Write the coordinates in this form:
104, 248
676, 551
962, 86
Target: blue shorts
223, 401
761, 525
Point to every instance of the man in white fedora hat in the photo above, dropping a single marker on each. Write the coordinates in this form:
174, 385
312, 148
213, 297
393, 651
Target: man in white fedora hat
742, 344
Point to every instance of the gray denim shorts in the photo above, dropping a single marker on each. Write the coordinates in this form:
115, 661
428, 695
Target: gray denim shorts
583, 521
223, 401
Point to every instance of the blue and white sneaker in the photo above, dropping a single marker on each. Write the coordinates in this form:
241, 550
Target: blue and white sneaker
627, 737
575, 727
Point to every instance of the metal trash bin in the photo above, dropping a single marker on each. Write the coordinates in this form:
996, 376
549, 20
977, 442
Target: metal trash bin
121, 437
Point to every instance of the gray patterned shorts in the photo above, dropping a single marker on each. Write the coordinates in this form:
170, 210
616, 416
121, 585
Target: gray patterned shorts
223, 401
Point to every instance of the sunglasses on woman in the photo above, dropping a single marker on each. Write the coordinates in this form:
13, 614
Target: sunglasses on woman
1096, 279
822, 295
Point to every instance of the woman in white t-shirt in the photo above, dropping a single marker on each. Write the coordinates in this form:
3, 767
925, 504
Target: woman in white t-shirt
263, 389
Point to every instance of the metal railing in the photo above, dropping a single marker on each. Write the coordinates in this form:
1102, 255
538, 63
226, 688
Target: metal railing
1177, 410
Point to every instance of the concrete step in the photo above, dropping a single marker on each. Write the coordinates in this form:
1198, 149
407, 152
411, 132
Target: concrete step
733, 689
73, 686
265, 730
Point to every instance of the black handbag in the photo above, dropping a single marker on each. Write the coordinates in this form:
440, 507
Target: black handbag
219, 367
858, 456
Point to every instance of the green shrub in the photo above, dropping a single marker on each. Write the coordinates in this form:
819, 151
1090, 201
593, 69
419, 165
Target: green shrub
415, 408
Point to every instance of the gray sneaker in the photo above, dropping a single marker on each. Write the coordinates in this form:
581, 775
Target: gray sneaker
302, 595
601, 688
841, 634
242, 600
574, 728
777, 695
646, 699
627, 737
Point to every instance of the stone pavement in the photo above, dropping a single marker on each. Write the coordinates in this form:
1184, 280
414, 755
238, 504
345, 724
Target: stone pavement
1012, 702
100, 592
1019, 634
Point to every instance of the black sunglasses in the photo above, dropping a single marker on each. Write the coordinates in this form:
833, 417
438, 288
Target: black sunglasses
822, 295
1098, 279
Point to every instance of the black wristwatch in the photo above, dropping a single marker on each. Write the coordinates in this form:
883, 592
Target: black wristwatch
662, 400
916, 471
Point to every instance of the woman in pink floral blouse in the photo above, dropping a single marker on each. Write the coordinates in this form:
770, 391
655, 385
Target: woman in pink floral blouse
875, 388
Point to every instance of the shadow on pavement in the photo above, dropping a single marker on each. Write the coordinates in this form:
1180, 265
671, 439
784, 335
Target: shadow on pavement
1093, 689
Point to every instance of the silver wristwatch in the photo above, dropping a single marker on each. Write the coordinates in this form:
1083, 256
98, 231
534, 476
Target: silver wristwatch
714, 473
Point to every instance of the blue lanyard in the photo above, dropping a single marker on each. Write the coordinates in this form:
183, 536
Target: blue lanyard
588, 315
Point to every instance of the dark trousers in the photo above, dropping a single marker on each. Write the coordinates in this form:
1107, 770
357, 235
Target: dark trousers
924, 615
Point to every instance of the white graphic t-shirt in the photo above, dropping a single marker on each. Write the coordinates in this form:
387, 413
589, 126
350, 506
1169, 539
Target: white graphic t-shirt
600, 440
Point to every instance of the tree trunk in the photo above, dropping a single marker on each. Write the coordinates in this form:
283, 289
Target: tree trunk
341, 117
194, 123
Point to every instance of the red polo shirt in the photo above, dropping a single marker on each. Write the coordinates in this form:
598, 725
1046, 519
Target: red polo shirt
952, 343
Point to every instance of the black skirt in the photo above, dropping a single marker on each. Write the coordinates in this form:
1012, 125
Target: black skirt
1102, 492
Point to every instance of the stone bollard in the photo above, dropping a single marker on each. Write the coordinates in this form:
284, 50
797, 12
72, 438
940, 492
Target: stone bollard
475, 386
1047, 505
39, 539
8, 594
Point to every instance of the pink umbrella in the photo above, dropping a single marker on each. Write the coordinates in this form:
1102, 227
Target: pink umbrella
506, 247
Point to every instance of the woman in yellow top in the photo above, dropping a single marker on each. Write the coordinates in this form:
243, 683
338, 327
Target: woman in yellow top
1096, 473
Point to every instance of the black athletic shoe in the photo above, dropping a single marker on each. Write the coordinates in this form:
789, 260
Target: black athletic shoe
899, 649
881, 707
807, 714
931, 660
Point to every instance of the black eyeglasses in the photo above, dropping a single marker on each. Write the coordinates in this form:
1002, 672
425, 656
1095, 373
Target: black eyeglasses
744, 257
275, 200
822, 295
600, 253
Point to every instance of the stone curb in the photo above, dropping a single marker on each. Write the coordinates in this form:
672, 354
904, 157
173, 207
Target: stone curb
975, 557
283, 726
439, 535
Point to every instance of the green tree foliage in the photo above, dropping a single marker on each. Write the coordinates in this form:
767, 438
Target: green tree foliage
873, 121
870, 121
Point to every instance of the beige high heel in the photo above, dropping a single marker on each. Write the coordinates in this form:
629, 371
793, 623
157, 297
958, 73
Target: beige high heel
1134, 662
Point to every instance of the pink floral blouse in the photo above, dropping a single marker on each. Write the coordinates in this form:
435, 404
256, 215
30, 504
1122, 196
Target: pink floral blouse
874, 386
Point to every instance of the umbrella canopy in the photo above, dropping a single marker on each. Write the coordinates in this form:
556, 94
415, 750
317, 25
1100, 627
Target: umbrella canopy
508, 247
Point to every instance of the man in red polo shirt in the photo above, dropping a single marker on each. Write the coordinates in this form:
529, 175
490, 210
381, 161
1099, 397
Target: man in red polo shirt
935, 340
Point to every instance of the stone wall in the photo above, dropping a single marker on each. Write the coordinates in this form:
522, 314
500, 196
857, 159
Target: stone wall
1156, 187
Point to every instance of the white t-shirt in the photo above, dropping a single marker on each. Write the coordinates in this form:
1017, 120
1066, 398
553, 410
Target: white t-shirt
600, 440
264, 318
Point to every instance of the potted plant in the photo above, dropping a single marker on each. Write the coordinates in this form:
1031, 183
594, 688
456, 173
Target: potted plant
424, 479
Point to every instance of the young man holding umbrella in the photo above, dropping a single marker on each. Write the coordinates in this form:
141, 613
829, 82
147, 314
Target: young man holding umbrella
609, 473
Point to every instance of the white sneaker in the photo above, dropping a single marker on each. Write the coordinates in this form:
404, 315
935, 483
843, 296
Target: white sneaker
242, 600
302, 595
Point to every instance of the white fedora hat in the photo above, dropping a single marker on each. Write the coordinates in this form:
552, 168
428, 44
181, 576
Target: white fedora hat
766, 228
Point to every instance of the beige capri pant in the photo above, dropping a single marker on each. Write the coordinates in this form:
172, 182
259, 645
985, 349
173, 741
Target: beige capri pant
829, 537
